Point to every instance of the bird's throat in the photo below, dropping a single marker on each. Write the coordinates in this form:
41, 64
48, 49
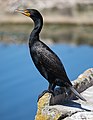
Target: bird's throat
37, 28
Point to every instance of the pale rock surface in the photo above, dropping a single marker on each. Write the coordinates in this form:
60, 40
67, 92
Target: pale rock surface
75, 109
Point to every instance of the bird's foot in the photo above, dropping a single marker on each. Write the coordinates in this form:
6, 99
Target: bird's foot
45, 91
66, 92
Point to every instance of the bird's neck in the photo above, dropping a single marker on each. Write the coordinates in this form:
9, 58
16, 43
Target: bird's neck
34, 36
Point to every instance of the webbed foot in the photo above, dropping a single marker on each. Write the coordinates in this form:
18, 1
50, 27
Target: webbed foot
45, 91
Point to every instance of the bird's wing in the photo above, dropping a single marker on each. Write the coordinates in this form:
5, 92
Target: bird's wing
52, 63
47, 62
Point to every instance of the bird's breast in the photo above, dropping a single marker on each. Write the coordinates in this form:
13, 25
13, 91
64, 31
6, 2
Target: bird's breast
37, 52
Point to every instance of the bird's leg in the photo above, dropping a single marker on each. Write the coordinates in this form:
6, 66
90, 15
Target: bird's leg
45, 91
50, 87
65, 90
50, 90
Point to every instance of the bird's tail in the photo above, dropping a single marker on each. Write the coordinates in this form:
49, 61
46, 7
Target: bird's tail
77, 94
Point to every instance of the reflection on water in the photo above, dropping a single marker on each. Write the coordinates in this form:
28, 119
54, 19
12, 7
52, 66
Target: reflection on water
78, 34
21, 83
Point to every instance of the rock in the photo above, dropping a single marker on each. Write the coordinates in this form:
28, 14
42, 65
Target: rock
42, 4
44, 109
68, 108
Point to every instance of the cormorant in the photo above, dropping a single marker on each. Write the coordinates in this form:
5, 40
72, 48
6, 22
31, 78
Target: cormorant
45, 60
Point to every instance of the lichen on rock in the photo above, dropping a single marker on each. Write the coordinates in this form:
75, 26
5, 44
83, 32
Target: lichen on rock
44, 110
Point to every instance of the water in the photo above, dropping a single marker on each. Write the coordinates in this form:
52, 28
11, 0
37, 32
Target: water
21, 83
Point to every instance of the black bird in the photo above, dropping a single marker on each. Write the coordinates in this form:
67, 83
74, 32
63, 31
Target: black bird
45, 60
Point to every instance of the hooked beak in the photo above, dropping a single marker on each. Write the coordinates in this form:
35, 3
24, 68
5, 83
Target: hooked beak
24, 12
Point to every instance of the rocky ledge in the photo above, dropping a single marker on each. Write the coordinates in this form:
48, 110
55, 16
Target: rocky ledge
68, 107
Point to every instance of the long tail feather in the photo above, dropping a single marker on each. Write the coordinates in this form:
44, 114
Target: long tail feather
77, 94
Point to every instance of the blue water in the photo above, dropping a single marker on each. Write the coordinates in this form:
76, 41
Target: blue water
21, 83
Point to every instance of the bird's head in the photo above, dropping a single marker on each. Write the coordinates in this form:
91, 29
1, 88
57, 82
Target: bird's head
35, 16
32, 13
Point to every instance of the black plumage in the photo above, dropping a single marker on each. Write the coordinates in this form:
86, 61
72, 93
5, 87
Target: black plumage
45, 60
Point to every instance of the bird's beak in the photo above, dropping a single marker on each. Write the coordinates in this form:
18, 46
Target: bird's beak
24, 12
